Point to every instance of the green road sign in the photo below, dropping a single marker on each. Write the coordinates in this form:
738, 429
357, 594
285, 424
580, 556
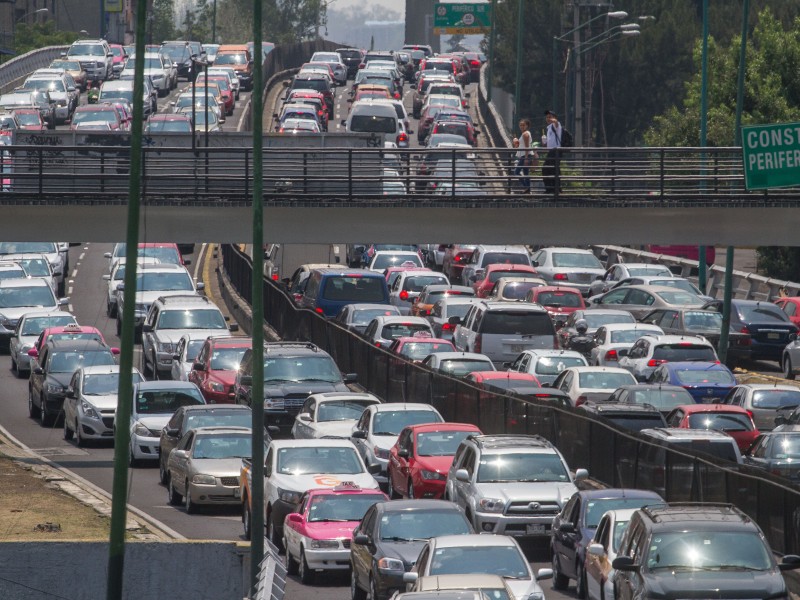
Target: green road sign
464, 19
771, 155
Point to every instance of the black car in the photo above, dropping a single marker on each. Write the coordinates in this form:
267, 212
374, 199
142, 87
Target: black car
777, 452
628, 416
352, 58
181, 53
661, 396
194, 416
696, 550
390, 537
708, 323
574, 527
769, 327
317, 83
292, 372
52, 371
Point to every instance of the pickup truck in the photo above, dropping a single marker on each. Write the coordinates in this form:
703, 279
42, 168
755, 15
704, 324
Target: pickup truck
291, 468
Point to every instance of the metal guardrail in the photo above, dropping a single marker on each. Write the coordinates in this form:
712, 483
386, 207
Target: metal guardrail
13, 72
746, 286
271, 583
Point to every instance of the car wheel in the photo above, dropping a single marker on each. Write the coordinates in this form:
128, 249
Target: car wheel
356, 593
119, 325
560, 581
291, 563
79, 439
46, 418
580, 583
67, 430
272, 533
190, 506
14, 367
373, 589
173, 497
411, 495
111, 310
247, 520
162, 471
132, 461
787, 368
307, 576
33, 411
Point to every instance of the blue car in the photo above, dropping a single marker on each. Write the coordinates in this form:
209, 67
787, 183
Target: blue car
707, 382
575, 526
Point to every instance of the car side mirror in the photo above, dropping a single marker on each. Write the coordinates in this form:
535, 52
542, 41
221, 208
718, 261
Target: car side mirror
304, 417
233, 327
33, 353
71, 393
624, 563
374, 469
115, 351
792, 337
351, 378
286, 83
410, 577
246, 380
454, 320
176, 357
120, 286
462, 475
596, 550
359, 434
566, 527
200, 286
180, 453
789, 562
106, 277
198, 366
581, 474
63, 301
172, 431
361, 539
544, 574
147, 328
780, 420
294, 518
403, 452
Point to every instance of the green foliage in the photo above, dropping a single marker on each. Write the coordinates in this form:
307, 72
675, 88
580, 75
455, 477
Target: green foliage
284, 21
29, 37
162, 21
779, 262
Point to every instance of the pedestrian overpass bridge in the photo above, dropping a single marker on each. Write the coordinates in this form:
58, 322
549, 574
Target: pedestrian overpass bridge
348, 194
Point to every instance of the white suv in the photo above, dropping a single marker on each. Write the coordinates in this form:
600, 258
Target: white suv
649, 351
95, 57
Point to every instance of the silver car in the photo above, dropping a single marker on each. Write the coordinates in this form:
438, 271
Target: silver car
765, 402
26, 333
568, 266
204, 467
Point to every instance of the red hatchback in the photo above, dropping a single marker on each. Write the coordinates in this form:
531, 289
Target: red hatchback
791, 306
559, 301
215, 368
421, 458
68, 332
728, 418
495, 271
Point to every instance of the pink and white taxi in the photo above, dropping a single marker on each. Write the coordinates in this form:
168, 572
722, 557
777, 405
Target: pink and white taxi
317, 537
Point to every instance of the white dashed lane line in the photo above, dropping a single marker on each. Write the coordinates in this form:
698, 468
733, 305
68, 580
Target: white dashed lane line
74, 273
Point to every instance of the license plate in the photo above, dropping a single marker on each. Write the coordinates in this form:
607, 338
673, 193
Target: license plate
773, 336
709, 399
517, 349
236, 493
535, 529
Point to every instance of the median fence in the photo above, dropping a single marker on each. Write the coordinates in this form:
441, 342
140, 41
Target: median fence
613, 456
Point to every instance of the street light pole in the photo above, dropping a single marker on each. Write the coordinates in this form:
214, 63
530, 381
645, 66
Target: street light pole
701, 250
518, 84
492, 38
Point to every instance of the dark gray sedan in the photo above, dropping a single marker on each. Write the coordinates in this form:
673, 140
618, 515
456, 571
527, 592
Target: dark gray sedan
777, 452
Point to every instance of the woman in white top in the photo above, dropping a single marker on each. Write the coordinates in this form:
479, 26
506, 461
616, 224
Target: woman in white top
526, 155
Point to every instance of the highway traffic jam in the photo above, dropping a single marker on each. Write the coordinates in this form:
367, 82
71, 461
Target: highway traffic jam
364, 498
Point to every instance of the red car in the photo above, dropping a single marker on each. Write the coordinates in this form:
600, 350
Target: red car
455, 257
417, 348
227, 93
419, 461
317, 98
463, 128
728, 418
68, 332
30, 119
483, 287
559, 301
215, 368
791, 306
502, 379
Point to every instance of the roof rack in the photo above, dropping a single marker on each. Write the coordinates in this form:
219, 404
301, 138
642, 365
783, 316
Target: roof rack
656, 512
506, 440
181, 298
281, 345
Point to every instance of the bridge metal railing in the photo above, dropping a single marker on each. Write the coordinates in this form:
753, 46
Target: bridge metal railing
14, 71
44, 170
613, 456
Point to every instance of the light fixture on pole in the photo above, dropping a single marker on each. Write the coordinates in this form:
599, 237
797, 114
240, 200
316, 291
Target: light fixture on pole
22, 18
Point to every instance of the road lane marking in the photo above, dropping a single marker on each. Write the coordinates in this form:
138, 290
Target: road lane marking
69, 291
74, 273
197, 263
82, 254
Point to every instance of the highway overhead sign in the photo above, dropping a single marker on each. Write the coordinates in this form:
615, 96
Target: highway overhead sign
771, 155
463, 19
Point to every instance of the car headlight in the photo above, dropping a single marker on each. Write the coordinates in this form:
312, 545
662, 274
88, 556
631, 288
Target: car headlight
23, 349
274, 403
391, 564
89, 410
204, 480
141, 430
289, 496
101, 64
492, 505
164, 347
54, 388
433, 475
141, 308
381, 453
323, 544
215, 386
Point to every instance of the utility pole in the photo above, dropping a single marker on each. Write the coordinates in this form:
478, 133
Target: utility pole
701, 250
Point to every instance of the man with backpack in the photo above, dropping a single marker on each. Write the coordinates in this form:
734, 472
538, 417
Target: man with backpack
554, 138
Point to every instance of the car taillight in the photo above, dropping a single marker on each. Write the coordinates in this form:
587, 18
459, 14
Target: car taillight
580, 400
297, 297
361, 66
478, 343
402, 138
275, 277
397, 95
475, 63
744, 330
319, 310
560, 277
611, 355
404, 295
446, 327
464, 102
654, 362
750, 414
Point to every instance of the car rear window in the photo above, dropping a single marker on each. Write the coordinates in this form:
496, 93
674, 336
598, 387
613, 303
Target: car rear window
384, 261
576, 260
762, 312
684, 351
373, 124
663, 400
637, 422
554, 365
517, 323
723, 449
606, 380
418, 282
518, 290
567, 299
721, 421
679, 297
598, 320
628, 336
703, 376
419, 350
505, 258
354, 289
319, 85
396, 330
775, 398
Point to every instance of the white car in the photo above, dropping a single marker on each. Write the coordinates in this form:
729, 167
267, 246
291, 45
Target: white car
117, 277
91, 402
546, 365
583, 384
50, 250
380, 425
383, 259
409, 285
612, 342
31, 324
458, 364
382, 330
650, 351
159, 71
331, 415
154, 403
602, 551
186, 351
35, 265
335, 61
292, 467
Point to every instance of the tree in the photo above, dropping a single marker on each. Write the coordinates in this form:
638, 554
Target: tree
32, 36
454, 43
162, 21
284, 21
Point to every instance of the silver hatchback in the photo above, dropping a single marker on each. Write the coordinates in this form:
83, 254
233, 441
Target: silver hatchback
574, 267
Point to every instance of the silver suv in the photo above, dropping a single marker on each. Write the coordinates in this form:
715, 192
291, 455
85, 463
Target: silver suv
510, 484
169, 318
95, 57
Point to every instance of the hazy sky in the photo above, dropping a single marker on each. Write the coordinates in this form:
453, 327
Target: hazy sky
396, 5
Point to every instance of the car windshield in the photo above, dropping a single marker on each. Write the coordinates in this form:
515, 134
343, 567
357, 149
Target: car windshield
70, 361
301, 368
12, 272
335, 460
679, 297
420, 524
328, 508
521, 466
606, 380
355, 288
704, 376
595, 507
461, 366
229, 58
35, 325
27, 248
522, 323
103, 384
391, 422
28, 118
419, 350
708, 550
576, 260
702, 320
152, 63
506, 561
233, 445
18, 297
342, 410
53, 85
518, 290
721, 421
176, 126
440, 443
225, 359
663, 400
86, 49
761, 312
416, 283
166, 402
505, 258
776, 398
565, 299
786, 445
396, 330
553, 365
628, 336
109, 95
35, 267
192, 319
684, 351
362, 316
177, 281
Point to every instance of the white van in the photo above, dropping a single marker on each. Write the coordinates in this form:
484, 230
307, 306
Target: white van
378, 118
